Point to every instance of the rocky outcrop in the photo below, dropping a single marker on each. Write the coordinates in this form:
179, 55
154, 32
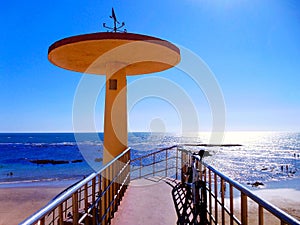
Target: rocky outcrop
53, 162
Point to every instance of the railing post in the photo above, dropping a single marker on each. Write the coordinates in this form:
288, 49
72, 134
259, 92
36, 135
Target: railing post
231, 203
176, 167
223, 200
100, 212
210, 193
94, 196
260, 215
204, 174
153, 164
42, 221
216, 197
128, 170
122, 176
99, 184
166, 170
118, 167
183, 155
104, 197
244, 209
140, 169
109, 191
60, 214
75, 208
66, 206
125, 172
86, 202
114, 173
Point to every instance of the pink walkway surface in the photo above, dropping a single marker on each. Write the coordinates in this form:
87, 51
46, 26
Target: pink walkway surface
146, 203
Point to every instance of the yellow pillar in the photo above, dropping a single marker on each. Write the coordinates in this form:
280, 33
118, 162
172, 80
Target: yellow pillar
115, 116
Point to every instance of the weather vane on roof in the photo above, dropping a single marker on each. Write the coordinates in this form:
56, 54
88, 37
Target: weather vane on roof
116, 28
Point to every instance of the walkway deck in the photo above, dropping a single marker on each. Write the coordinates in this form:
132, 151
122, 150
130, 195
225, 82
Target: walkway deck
146, 202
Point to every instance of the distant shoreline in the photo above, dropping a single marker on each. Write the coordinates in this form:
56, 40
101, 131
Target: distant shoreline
39, 183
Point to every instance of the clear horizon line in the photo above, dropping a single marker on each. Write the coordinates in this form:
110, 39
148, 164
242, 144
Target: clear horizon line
139, 131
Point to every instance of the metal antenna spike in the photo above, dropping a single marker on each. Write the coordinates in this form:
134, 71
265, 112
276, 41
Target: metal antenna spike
113, 14
115, 28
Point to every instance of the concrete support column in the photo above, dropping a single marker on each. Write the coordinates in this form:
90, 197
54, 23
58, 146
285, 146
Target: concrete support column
115, 117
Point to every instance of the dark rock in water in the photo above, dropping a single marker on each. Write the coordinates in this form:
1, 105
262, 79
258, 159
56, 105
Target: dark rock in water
217, 145
54, 162
257, 183
49, 161
59, 162
77, 161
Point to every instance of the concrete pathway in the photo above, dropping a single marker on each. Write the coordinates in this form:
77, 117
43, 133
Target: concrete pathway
146, 203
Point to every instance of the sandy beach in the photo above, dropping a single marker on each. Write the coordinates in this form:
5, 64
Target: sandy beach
17, 203
283, 194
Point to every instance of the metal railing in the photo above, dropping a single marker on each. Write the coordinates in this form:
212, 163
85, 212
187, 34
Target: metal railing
164, 163
97, 197
231, 203
90, 201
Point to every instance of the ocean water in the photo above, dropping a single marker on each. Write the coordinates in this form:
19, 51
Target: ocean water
262, 156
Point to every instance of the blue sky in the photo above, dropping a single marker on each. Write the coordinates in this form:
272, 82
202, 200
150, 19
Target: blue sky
252, 47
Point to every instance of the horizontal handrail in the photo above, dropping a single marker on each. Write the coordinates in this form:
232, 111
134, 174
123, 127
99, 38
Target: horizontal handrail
67, 193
